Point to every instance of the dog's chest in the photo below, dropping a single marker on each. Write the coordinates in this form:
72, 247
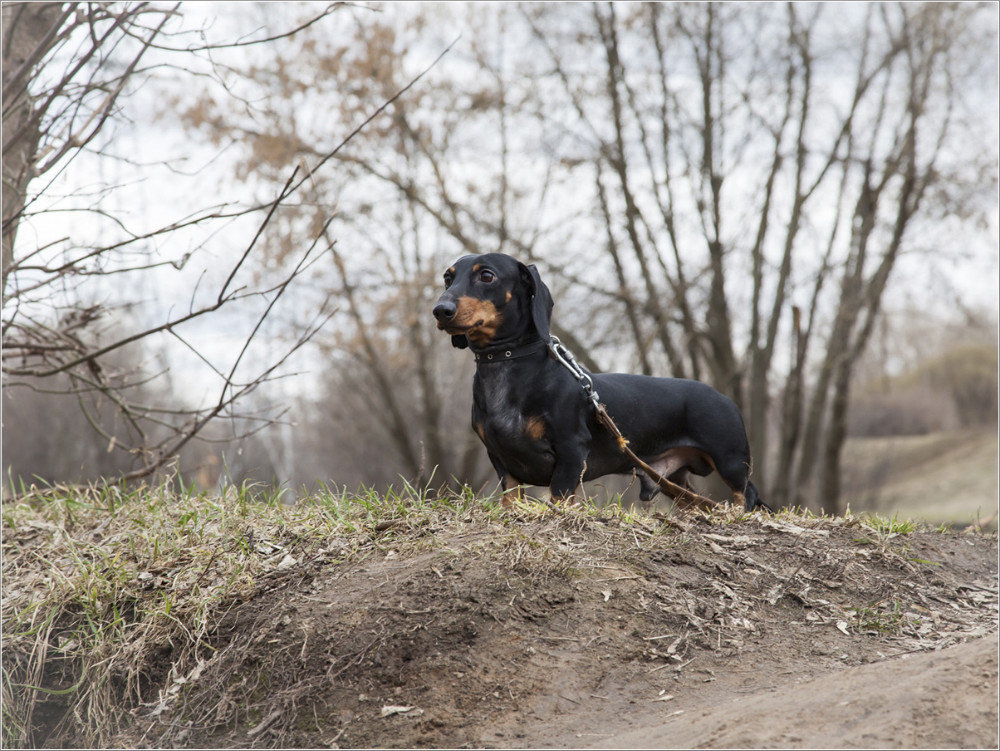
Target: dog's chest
510, 429
522, 446
505, 428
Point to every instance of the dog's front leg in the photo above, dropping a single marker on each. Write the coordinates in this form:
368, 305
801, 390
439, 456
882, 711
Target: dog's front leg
571, 463
512, 491
510, 485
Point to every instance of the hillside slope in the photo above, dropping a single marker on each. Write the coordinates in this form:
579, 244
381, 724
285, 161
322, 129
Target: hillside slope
947, 477
410, 621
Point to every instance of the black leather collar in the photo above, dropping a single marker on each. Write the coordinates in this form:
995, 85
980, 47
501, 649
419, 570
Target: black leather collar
493, 355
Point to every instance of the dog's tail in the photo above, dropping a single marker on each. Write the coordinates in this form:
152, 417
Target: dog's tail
753, 499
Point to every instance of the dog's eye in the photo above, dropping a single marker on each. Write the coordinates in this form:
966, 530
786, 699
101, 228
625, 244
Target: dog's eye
486, 276
448, 279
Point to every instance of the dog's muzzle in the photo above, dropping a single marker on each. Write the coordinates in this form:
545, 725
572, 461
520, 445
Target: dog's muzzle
445, 310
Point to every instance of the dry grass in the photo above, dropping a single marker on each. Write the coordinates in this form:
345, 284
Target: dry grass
97, 579
112, 596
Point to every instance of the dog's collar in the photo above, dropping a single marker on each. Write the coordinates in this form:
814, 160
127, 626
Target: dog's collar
494, 355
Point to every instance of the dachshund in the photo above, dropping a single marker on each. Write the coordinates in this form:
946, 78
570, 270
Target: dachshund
534, 417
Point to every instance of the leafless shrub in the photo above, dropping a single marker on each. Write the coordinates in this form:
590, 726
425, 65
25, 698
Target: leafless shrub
968, 375
68, 70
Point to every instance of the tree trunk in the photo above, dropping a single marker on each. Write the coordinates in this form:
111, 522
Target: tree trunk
29, 32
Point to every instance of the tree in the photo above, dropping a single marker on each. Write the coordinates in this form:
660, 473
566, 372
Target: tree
716, 191
73, 307
392, 387
721, 107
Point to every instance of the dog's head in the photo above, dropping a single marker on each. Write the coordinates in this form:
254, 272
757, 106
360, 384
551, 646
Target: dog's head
493, 298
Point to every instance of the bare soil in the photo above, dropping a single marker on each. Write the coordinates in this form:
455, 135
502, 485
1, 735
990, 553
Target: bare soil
940, 699
536, 629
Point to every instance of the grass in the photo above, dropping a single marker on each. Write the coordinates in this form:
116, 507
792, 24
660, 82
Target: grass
93, 577
99, 580
884, 526
96, 579
882, 618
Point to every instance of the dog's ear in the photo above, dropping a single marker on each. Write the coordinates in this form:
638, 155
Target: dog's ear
541, 300
460, 341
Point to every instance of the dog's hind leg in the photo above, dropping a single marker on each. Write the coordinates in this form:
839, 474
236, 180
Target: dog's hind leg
647, 488
676, 465
752, 499
681, 477
736, 474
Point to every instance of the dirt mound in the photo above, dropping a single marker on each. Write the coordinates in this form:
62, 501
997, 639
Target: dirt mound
534, 630
409, 621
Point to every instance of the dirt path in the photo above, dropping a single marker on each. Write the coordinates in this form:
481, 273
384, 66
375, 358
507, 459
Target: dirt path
945, 699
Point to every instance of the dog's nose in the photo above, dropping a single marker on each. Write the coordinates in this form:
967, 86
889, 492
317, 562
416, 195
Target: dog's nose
445, 310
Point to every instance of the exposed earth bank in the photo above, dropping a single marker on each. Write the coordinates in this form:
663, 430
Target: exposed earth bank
567, 630
453, 625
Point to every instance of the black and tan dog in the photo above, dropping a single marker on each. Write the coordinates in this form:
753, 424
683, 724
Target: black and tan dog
533, 415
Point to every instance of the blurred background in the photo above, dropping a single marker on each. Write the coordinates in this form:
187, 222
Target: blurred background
225, 224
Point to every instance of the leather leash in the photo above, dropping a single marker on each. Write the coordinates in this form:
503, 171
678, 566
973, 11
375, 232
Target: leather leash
683, 497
